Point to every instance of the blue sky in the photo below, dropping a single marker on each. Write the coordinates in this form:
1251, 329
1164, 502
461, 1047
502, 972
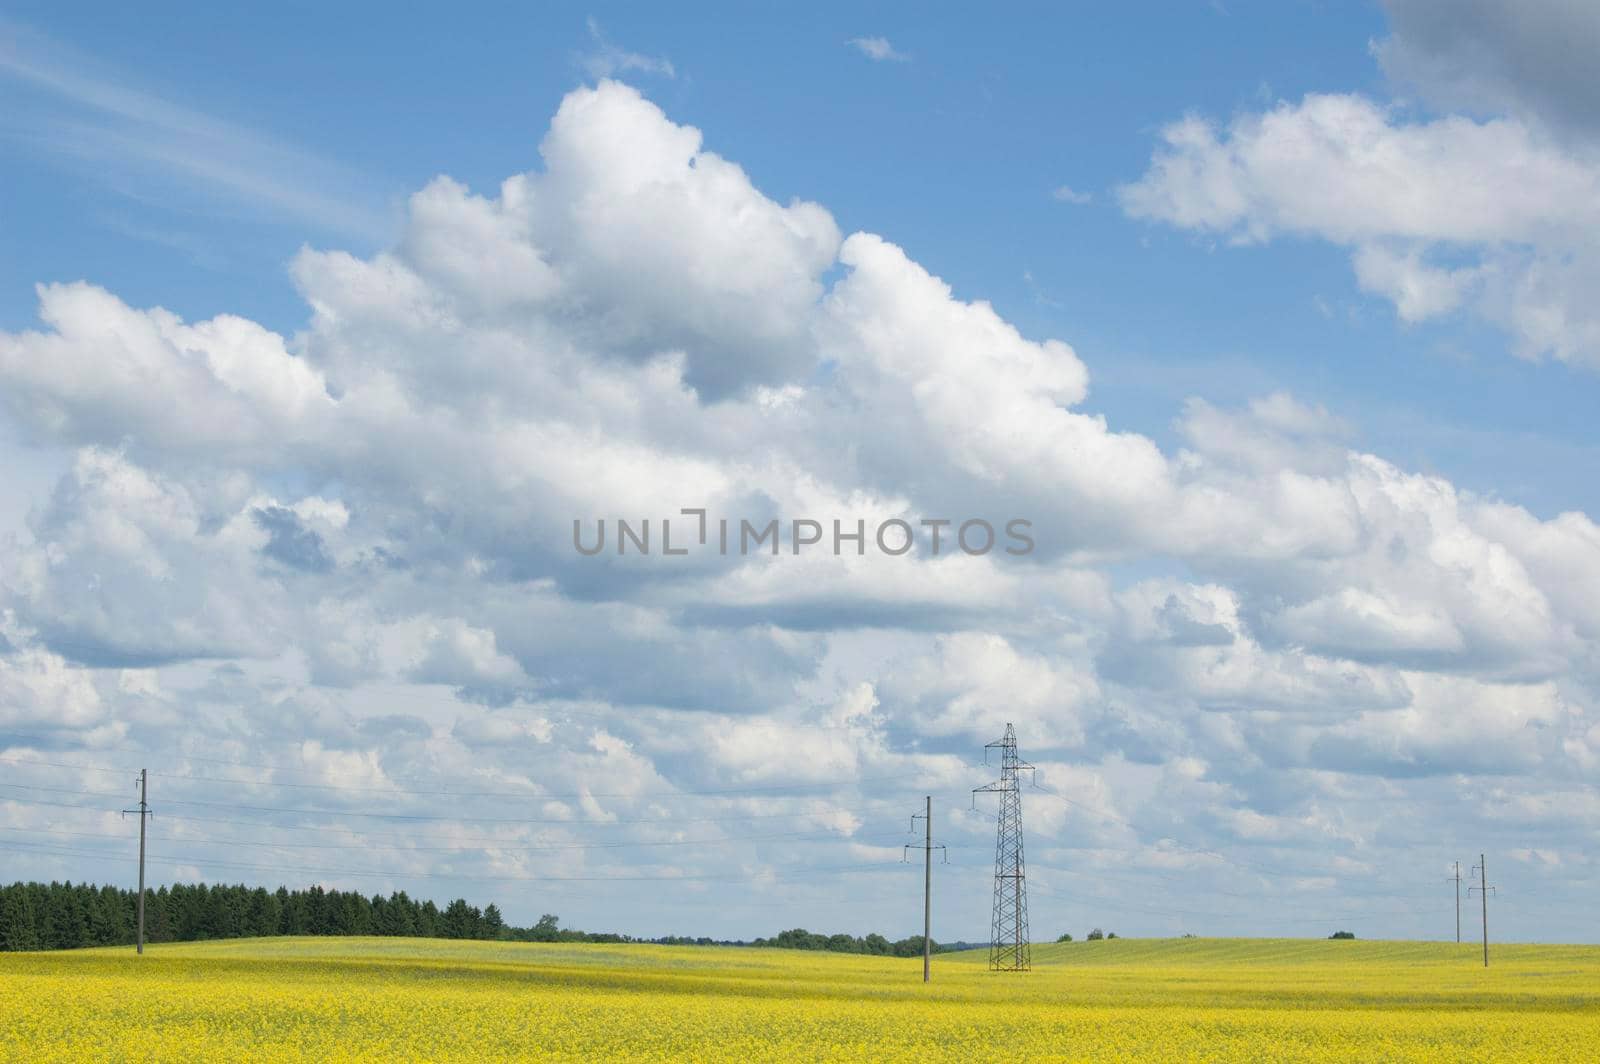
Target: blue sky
954, 153
1348, 417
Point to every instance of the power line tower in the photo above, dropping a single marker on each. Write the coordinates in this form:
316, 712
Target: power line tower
1481, 874
927, 847
144, 815
1008, 935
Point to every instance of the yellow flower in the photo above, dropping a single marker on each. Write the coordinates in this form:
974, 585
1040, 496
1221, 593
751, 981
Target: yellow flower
383, 999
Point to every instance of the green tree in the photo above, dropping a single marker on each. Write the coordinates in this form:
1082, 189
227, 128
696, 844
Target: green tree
18, 921
461, 920
494, 924
546, 930
108, 917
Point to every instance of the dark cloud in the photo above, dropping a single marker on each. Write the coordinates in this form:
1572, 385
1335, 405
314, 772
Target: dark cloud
1532, 58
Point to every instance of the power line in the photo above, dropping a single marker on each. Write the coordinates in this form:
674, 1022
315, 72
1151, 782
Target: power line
1101, 814
181, 860
360, 836
366, 814
1013, 932
298, 769
1098, 875
339, 829
497, 848
530, 795
1173, 844
1212, 915
499, 845
715, 792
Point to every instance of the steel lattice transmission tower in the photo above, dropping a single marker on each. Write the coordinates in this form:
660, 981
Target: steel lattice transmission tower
1008, 938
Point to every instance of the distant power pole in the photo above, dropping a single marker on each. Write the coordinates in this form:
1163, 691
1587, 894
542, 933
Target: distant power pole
1457, 878
1484, 890
1009, 950
144, 815
927, 849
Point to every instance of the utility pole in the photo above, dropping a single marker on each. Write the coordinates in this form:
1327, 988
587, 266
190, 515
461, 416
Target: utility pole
1458, 901
1483, 888
927, 849
927, 892
144, 815
1009, 949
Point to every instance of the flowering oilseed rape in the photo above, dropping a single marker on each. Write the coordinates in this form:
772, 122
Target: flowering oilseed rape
1182, 1000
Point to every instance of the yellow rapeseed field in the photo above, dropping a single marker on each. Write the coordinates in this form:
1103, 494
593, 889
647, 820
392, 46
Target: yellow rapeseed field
1172, 1000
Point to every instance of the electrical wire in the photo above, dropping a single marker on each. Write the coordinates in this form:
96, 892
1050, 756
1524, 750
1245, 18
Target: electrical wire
349, 831
714, 792
301, 811
188, 860
499, 848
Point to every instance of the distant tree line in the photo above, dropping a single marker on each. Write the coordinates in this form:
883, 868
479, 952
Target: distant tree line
873, 944
70, 915
44, 916
549, 929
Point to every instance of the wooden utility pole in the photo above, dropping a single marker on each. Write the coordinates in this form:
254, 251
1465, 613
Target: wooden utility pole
144, 815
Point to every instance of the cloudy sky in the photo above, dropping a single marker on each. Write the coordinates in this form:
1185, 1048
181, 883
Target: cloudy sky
1274, 321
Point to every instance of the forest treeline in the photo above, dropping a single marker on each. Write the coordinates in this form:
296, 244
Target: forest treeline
44, 916
70, 915
874, 944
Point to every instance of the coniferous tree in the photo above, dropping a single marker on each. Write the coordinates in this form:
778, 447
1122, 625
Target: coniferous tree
428, 920
18, 920
493, 923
